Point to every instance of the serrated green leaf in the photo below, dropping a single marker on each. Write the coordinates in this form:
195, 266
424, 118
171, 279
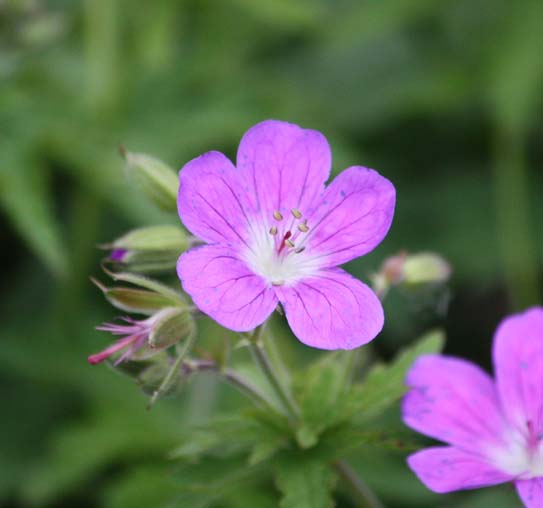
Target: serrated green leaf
385, 384
320, 390
266, 448
305, 482
209, 480
246, 433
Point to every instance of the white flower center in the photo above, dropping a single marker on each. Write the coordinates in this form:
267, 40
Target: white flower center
521, 455
277, 250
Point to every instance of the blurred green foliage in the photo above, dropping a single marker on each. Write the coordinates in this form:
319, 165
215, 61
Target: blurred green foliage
444, 98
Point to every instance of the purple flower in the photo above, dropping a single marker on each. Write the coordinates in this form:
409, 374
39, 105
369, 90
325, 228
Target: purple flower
134, 341
494, 428
276, 234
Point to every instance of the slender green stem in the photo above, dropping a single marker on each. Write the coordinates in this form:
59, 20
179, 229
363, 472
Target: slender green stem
261, 358
363, 496
174, 370
234, 379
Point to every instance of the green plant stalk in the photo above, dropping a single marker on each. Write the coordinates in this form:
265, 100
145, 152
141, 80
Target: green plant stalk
174, 370
231, 377
261, 358
363, 496
516, 234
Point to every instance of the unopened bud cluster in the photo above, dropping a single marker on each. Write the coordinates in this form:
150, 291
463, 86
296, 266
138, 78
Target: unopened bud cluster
411, 271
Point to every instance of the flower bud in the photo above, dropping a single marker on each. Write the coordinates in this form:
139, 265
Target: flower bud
140, 340
411, 270
149, 249
153, 238
157, 180
145, 261
425, 268
173, 325
136, 300
152, 376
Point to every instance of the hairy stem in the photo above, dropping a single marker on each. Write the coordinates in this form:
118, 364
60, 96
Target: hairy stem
362, 494
231, 377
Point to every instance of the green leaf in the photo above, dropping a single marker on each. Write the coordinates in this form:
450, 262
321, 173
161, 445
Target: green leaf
345, 439
320, 396
385, 384
148, 485
305, 482
203, 483
224, 435
27, 199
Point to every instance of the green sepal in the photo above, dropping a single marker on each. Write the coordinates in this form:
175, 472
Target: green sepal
153, 238
173, 325
147, 283
136, 300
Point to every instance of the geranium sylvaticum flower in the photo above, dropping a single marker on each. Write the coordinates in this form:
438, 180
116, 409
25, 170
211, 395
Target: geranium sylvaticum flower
275, 233
494, 428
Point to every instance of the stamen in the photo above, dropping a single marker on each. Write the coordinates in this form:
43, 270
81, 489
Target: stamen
297, 214
288, 243
303, 227
299, 249
273, 230
288, 234
277, 215
278, 282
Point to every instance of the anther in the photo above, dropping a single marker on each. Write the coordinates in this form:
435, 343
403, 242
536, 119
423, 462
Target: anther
278, 282
289, 243
303, 227
277, 215
299, 249
273, 230
297, 214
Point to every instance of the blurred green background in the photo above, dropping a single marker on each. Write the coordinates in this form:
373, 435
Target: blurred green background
442, 97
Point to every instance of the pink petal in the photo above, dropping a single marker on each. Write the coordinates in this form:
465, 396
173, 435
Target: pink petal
332, 310
518, 363
454, 401
224, 288
445, 469
210, 202
531, 492
114, 348
283, 166
354, 216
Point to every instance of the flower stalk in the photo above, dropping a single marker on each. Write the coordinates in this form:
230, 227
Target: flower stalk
258, 351
174, 370
363, 496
